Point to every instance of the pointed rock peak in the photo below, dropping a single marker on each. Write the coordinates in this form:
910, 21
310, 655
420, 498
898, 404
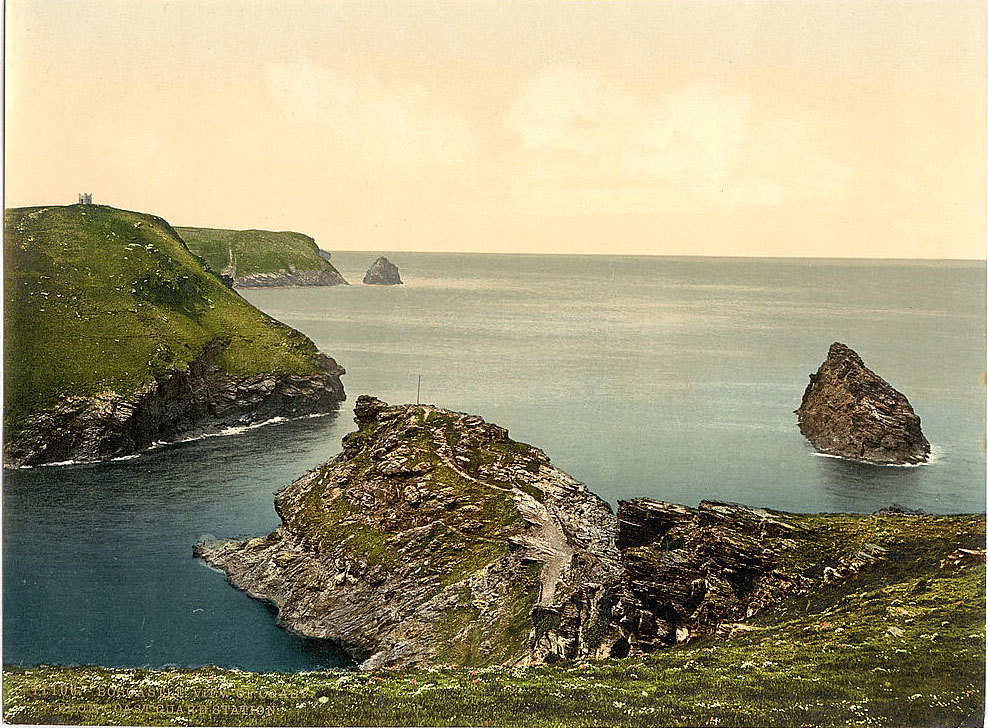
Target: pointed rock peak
382, 273
842, 351
849, 411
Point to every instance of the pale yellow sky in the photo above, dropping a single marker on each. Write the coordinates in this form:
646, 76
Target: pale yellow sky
682, 128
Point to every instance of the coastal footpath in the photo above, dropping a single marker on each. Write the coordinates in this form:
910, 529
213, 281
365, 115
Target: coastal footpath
263, 258
118, 337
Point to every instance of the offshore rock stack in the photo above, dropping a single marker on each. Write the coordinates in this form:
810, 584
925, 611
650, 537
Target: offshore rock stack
382, 273
849, 411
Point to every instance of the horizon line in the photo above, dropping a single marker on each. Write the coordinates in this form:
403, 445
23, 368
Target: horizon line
652, 255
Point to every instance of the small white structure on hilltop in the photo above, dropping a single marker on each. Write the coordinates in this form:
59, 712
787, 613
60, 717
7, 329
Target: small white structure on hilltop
85, 198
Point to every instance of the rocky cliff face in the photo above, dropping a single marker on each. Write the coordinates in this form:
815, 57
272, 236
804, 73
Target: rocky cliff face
195, 400
434, 538
688, 571
382, 273
849, 411
290, 278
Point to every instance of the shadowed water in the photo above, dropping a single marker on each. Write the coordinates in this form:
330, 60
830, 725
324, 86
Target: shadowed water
669, 378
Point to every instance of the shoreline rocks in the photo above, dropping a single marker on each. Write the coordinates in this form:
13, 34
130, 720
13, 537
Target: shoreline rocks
382, 273
849, 411
189, 402
291, 278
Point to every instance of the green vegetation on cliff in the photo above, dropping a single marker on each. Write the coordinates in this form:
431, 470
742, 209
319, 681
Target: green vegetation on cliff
249, 252
99, 299
899, 645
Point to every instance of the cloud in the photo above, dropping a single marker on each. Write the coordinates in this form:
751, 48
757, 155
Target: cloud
701, 145
401, 127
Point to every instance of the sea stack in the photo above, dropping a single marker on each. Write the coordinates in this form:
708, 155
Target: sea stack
851, 412
382, 273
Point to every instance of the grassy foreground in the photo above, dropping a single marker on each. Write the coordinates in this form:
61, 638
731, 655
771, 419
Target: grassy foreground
903, 646
98, 299
254, 251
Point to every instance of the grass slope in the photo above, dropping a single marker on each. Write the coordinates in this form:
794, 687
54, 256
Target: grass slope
254, 251
899, 644
101, 299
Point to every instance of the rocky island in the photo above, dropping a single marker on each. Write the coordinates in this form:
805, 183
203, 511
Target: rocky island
382, 273
118, 337
262, 258
851, 412
434, 538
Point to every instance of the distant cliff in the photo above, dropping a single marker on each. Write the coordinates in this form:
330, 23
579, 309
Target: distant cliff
116, 336
849, 411
261, 258
434, 538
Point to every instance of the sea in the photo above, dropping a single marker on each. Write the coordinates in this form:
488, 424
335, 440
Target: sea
671, 378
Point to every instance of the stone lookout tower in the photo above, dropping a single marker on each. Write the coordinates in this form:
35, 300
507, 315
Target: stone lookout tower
85, 198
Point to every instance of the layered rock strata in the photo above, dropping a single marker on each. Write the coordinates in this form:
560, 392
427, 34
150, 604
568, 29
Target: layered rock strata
195, 400
851, 412
382, 273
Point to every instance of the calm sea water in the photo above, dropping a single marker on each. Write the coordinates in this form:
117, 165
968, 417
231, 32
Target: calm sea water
669, 378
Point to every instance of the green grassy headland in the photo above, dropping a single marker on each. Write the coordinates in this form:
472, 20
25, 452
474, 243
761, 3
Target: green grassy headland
254, 251
99, 299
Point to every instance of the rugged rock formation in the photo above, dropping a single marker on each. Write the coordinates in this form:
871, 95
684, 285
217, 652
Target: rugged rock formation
289, 278
434, 538
688, 571
198, 399
849, 411
382, 273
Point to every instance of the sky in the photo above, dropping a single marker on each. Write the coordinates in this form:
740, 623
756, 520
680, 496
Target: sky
709, 127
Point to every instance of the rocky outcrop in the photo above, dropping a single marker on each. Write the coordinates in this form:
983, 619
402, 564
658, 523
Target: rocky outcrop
192, 401
690, 570
382, 273
434, 538
849, 411
291, 277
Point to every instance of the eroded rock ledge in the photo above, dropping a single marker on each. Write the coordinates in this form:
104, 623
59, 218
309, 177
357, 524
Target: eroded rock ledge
849, 411
293, 277
434, 538
196, 400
